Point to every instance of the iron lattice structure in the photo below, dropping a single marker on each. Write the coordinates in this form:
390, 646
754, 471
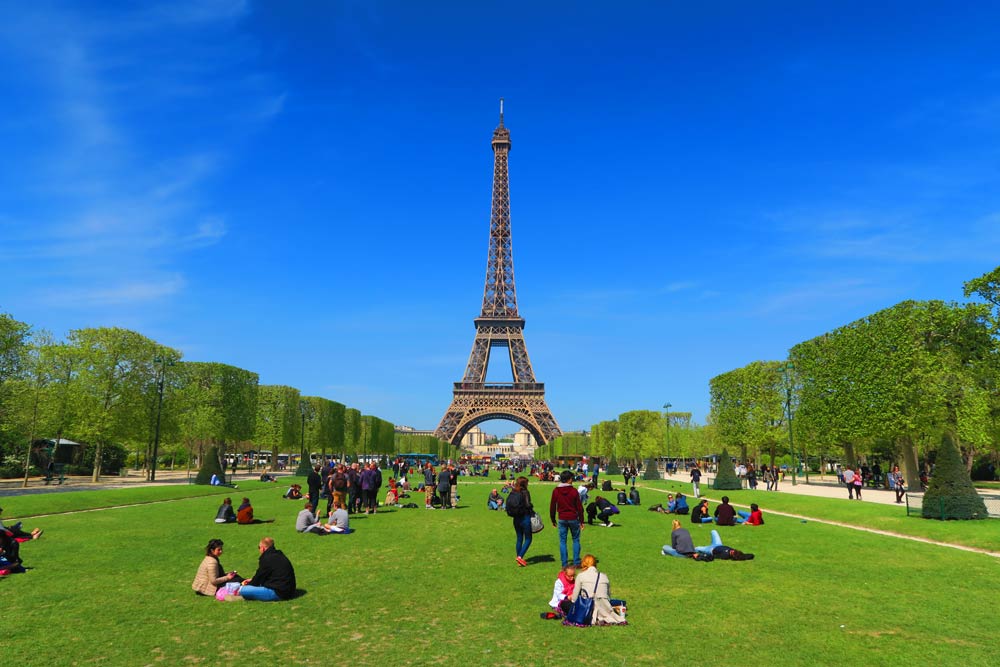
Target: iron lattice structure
499, 326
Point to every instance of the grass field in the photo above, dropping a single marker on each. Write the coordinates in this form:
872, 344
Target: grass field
421, 587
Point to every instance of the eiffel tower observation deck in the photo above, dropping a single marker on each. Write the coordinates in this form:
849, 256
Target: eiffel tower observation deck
499, 326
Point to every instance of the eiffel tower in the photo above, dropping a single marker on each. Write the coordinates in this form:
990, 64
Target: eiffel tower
499, 326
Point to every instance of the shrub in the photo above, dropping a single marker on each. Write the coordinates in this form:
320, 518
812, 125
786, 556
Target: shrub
950, 494
649, 469
726, 479
210, 466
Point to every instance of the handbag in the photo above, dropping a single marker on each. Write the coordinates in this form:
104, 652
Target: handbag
536, 523
582, 610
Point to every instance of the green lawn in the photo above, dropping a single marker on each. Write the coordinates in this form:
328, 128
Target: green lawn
433, 587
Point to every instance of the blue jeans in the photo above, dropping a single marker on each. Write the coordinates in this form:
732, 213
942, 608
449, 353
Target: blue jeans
573, 527
259, 593
716, 542
522, 526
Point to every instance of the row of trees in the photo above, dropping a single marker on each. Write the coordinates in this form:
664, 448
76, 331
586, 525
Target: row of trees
116, 389
890, 384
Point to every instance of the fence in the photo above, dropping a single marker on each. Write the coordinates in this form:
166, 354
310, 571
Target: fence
915, 506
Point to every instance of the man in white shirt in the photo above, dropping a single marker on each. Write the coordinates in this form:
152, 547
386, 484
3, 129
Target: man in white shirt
849, 481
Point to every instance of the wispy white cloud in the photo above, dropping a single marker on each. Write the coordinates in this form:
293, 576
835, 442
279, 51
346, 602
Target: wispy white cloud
119, 294
105, 187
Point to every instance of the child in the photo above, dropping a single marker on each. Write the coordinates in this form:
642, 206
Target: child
561, 593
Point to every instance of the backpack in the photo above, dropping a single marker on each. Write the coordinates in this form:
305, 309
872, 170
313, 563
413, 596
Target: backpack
702, 557
622, 498
515, 504
606, 485
633, 496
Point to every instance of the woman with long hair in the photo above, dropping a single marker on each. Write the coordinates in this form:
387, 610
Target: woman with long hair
519, 508
593, 583
210, 574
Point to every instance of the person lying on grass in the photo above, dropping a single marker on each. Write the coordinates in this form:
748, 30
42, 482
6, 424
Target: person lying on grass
682, 546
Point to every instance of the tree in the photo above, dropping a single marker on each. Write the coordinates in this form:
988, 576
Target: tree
116, 366
278, 420
950, 494
14, 349
725, 478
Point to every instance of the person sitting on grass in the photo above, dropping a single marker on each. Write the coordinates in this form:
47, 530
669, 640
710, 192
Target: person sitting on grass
339, 521
211, 576
392, 495
306, 522
226, 513
561, 593
495, 501
275, 576
700, 513
596, 584
727, 515
755, 518
681, 504
682, 546
267, 477
294, 492
244, 515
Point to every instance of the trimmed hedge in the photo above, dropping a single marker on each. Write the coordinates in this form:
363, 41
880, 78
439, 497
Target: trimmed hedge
726, 479
950, 494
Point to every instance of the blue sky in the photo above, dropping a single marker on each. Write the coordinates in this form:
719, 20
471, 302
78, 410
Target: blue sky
303, 189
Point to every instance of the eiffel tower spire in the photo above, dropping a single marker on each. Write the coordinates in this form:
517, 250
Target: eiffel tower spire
499, 326
500, 295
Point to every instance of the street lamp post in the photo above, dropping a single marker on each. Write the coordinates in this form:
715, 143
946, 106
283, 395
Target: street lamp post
788, 413
163, 362
667, 406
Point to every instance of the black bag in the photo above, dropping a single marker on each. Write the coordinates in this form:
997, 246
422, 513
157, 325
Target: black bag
702, 557
622, 498
633, 496
515, 504
606, 485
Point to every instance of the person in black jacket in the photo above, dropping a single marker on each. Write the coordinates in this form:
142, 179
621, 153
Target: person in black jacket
275, 577
700, 513
314, 482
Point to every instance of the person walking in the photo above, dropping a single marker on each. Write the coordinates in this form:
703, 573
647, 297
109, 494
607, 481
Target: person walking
566, 513
897, 484
696, 481
859, 482
519, 508
849, 481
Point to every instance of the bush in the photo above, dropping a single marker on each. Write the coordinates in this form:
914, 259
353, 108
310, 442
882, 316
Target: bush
950, 494
726, 479
210, 466
649, 470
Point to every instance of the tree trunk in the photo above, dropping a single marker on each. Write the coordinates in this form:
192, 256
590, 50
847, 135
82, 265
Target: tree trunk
97, 462
911, 469
849, 458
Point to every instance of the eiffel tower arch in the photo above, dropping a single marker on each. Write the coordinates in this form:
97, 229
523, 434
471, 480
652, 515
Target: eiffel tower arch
499, 327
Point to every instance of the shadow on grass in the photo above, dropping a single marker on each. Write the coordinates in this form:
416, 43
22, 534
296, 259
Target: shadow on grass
545, 558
